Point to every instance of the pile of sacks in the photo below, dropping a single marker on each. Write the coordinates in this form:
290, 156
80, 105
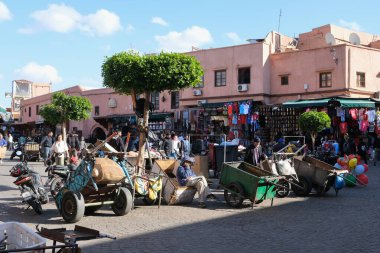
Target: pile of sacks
356, 167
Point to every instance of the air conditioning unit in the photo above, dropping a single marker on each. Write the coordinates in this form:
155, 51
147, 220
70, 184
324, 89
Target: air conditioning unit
200, 102
242, 87
197, 92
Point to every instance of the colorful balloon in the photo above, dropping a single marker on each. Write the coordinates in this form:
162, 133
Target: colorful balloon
365, 167
362, 179
350, 157
339, 183
352, 163
345, 167
338, 166
359, 158
350, 180
359, 169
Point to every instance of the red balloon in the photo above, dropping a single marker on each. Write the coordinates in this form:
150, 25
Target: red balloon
362, 179
351, 157
365, 167
358, 157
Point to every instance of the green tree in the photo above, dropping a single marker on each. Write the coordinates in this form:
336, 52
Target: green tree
130, 73
313, 122
64, 108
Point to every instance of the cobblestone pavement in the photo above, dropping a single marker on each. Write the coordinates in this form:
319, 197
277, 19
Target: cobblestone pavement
346, 223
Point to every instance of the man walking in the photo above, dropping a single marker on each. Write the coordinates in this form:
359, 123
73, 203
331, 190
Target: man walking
10, 142
45, 146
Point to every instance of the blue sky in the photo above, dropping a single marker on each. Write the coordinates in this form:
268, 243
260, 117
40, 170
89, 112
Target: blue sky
65, 42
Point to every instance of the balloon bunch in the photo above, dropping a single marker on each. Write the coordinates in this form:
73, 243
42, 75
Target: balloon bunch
356, 167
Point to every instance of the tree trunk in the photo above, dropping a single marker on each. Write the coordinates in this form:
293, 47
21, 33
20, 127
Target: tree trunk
64, 130
313, 137
143, 130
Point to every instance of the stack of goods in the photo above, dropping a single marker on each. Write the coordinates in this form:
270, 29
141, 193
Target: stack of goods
356, 167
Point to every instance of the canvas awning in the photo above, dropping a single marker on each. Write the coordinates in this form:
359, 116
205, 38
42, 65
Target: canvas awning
336, 101
306, 103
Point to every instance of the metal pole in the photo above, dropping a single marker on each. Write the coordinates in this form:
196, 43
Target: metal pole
225, 147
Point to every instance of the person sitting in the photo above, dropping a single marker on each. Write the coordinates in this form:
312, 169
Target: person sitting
254, 153
187, 177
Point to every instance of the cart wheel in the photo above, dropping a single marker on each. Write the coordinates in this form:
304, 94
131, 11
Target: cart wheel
123, 202
72, 207
319, 189
232, 195
37, 207
303, 188
56, 186
283, 192
91, 209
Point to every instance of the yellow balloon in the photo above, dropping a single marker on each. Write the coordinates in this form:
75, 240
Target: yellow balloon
352, 163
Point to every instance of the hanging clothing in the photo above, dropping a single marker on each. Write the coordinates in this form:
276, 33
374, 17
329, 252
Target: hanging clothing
241, 108
354, 113
371, 115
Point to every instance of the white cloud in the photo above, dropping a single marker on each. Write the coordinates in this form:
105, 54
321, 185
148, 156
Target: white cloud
1, 76
194, 36
26, 30
107, 47
130, 28
5, 13
38, 73
101, 23
350, 25
91, 82
62, 18
159, 21
58, 18
234, 37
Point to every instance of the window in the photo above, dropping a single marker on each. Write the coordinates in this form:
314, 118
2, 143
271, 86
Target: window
360, 79
201, 84
220, 78
244, 75
155, 99
96, 110
325, 80
174, 99
284, 80
30, 111
37, 110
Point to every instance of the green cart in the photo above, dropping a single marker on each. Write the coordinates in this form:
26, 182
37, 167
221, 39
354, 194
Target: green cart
241, 180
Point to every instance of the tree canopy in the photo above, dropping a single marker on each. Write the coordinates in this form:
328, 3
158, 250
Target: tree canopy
128, 72
313, 122
64, 107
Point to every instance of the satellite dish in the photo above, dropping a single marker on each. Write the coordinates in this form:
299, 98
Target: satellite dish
354, 39
330, 39
293, 43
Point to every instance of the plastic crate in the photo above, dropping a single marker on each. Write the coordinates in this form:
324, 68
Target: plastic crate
31, 146
21, 237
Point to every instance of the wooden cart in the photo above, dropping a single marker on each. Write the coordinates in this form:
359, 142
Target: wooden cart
313, 173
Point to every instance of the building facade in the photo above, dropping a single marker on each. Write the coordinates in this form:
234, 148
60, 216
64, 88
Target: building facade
327, 61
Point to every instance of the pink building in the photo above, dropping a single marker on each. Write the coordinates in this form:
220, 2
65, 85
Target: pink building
110, 110
327, 61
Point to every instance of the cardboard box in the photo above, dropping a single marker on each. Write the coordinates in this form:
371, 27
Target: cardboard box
172, 192
200, 166
3, 151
